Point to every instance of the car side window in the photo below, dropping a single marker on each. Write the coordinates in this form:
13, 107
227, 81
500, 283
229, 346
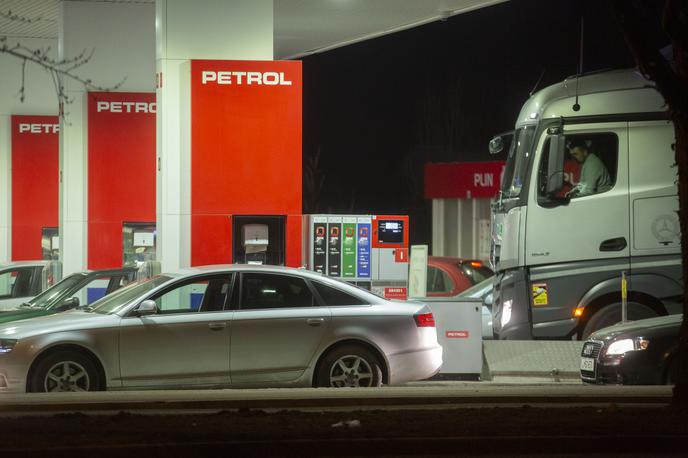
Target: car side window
333, 296
200, 294
16, 283
438, 281
92, 291
267, 291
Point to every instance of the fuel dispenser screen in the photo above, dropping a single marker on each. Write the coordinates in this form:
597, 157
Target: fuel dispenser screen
390, 231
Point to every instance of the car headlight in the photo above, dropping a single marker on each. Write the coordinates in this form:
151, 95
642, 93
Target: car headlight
506, 312
6, 345
623, 346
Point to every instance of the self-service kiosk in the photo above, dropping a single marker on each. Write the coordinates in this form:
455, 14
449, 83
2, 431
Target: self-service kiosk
258, 239
370, 251
138, 243
50, 243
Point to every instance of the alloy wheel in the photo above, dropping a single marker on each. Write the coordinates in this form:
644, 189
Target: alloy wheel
67, 376
351, 371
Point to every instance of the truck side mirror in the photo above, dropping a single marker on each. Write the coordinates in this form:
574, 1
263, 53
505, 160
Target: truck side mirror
501, 142
496, 145
555, 164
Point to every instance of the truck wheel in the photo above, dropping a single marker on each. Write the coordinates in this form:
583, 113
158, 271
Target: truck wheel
611, 314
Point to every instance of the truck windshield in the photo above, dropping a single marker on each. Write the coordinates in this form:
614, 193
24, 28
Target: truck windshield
517, 162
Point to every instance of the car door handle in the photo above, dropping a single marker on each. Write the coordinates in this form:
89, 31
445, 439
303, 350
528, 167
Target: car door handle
217, 326
315, 321
616, 244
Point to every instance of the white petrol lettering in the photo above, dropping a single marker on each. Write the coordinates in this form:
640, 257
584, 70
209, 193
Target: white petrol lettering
39, 128
245, 78
126, 107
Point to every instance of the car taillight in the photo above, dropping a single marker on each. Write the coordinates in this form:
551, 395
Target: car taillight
424, 320
476, 264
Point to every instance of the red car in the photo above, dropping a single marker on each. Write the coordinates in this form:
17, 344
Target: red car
449, 276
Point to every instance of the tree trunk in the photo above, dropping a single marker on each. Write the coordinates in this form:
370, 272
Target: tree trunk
672, 83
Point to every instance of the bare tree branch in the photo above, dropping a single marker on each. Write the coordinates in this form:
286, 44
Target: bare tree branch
58, 69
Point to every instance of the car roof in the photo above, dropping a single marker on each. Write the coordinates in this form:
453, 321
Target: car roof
24, 264
311, 275
239, 268
121, 270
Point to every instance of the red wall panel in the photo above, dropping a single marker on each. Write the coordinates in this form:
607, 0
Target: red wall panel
121, 170
35, 171
245, 151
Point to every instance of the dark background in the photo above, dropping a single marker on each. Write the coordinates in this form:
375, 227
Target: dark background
375, 112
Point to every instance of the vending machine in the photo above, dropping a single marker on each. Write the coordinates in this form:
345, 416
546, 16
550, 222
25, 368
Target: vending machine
370, 251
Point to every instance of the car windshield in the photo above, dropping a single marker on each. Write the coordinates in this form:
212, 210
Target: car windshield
475, 271
113, 302
517, 162
57, 292
478, 290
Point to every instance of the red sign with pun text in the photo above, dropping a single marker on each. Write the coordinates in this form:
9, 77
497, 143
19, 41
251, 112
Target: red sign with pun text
463, 180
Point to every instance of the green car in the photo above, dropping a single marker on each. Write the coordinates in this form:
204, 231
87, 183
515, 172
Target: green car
79, 289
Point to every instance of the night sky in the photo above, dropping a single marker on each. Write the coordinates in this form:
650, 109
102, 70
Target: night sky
375, 112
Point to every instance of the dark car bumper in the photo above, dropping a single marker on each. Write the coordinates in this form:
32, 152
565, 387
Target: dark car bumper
634, 368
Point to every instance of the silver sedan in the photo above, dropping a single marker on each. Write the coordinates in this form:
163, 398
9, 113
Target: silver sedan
238, 326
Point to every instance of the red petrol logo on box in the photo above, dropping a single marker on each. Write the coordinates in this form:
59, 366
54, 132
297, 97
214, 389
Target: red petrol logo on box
456, 334
395, 293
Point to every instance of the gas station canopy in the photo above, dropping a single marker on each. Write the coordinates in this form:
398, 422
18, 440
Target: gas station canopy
302, 27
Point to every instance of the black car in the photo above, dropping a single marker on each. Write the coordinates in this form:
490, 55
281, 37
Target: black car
633, 353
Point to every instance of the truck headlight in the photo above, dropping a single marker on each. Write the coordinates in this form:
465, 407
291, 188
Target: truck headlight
6, 345
623, 346
506, 312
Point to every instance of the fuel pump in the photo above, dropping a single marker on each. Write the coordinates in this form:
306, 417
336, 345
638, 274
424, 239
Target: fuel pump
370, 251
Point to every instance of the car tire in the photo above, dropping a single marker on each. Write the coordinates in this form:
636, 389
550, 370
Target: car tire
349, 366
611, 314
65, 371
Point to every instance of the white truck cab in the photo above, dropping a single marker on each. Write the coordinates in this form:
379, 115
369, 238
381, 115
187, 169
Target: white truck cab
588, 193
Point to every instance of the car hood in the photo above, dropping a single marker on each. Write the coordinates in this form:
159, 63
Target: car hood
638, 325
7, 316
66, 321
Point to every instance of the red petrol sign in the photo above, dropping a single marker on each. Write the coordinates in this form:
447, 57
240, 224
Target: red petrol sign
35, 172
245, 152
121, 170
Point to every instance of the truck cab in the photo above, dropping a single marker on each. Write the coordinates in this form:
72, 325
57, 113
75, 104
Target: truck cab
588, 196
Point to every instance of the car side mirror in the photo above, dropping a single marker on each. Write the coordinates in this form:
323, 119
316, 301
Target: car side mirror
555, 165
68, 304
488, 300
147, 307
